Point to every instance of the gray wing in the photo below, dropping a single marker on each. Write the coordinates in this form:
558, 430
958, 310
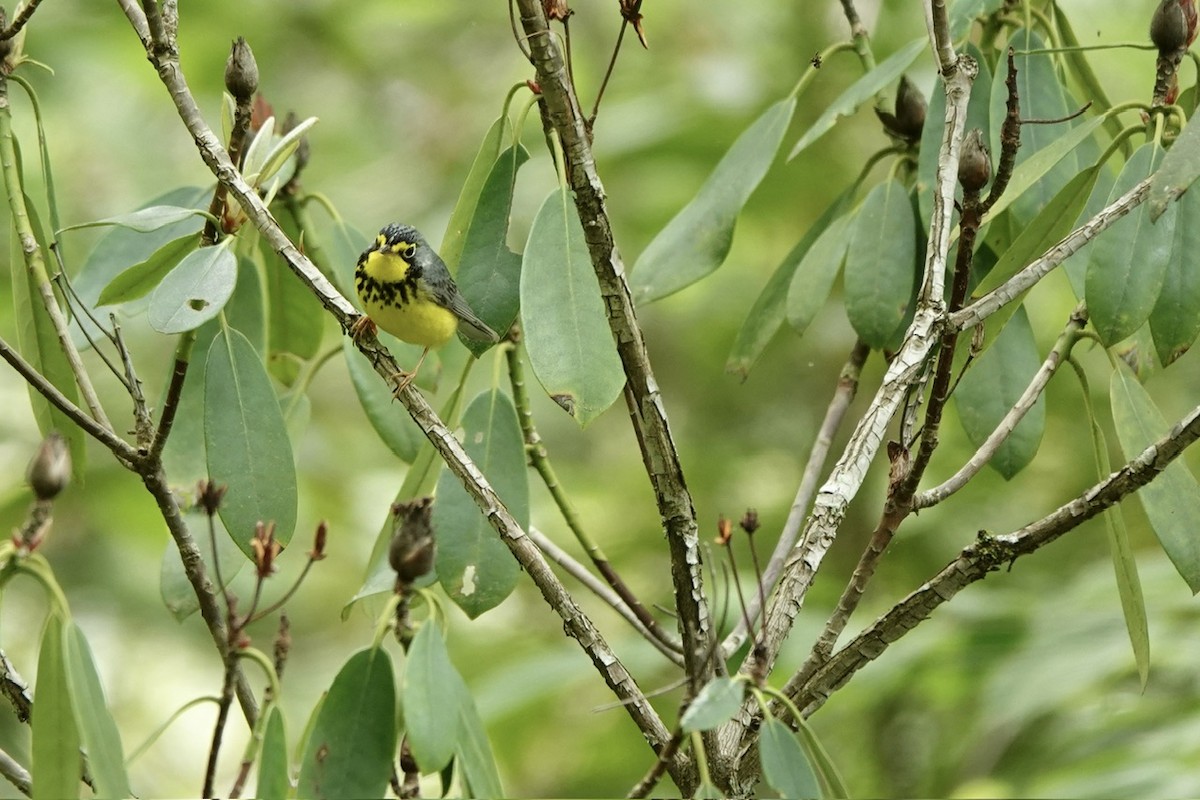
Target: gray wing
468, 322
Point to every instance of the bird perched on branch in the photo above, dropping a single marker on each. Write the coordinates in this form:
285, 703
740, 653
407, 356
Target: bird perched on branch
406, 290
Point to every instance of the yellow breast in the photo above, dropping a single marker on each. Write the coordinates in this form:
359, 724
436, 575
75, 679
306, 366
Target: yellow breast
391, 298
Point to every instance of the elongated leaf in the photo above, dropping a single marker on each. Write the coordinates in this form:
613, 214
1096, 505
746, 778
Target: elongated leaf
715, 705
353, 740
814, 276
566, 331
55, 745
1031, 171
468, 197
1128, 262
784, 762
296, 322
1129, 585
97, 730
140, 279
1171, 500
881, 263
473, 565
1076, 266
695, 242
1049, 227
1175, 320
430, 694
490, 274
273, 771
474, 754
830, 779
281, 151
195, 291
860, 92
993, 385
1042, 97
1180, 169
395, 427
38, 343
144, 220
247, 442
769, 311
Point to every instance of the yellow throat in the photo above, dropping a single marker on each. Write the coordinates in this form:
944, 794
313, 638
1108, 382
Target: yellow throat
392, 297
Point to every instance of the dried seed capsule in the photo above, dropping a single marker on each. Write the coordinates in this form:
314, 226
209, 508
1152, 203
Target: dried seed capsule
975, 163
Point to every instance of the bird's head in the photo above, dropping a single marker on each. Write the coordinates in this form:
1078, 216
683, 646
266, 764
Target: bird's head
399, 240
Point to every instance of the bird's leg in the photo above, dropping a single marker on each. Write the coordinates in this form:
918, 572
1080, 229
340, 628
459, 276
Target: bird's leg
361, 327
408, 377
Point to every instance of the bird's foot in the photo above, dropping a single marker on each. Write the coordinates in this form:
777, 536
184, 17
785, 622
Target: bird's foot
401, 380
362, 327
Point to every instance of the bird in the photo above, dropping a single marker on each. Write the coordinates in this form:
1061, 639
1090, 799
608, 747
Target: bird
406, 289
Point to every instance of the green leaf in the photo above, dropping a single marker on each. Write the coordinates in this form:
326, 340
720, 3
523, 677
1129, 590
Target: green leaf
474, 754
1049, 227
1030, 172
715, 705
861, 91
38, 343
1175, 320
816, 272
395, 427
769, 311
55, 739
140, 279
296, 322
1179, 170
1042, 96
565, 327
281, 151
273, 780
881, 259
468, 197
1127, 263
697, 240
1076, 266
1129, 585
785, 764
473, 565
1172, 500
247, 442
490, 274
97, 730
430, 696
195, 291
353, 740
144, 220
993, 385
346, 244
965, 12
826, 771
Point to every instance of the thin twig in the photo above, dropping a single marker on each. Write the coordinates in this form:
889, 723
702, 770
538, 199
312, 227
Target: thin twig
19, 20
15, 689
612, 62
16, 774
166, 420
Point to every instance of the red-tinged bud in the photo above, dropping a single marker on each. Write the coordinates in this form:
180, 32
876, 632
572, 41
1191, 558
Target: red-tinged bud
1173, 26
974, 163
556, 9
209, 495
749, 521
318, 551
724, 530
266, 548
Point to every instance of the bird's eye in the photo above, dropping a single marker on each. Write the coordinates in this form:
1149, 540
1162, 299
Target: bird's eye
409, 249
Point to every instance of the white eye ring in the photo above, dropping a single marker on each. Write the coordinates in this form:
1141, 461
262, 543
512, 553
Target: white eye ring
410, 250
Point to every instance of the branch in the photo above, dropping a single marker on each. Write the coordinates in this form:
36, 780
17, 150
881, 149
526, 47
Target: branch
646, 408
1018, 284
16, 774
988, 554
577, 624
905, 370
19, 20
938, 25
1062, 348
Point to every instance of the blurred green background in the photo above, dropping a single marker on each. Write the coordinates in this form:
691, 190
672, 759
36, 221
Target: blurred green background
1024, 685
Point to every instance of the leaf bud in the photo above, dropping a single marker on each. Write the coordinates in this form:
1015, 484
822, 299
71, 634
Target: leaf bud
556, 9
724, 530
50, 469
1173, 26
749, 522
974, 163
413, 546
209, 495
241, 71
910, 109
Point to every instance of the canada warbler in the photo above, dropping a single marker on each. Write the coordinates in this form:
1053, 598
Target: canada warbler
407, 291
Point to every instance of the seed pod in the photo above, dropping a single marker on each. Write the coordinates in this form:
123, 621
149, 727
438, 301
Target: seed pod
413, 546
910, 109
50, 469
974, 163
241, 71
1173, 26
